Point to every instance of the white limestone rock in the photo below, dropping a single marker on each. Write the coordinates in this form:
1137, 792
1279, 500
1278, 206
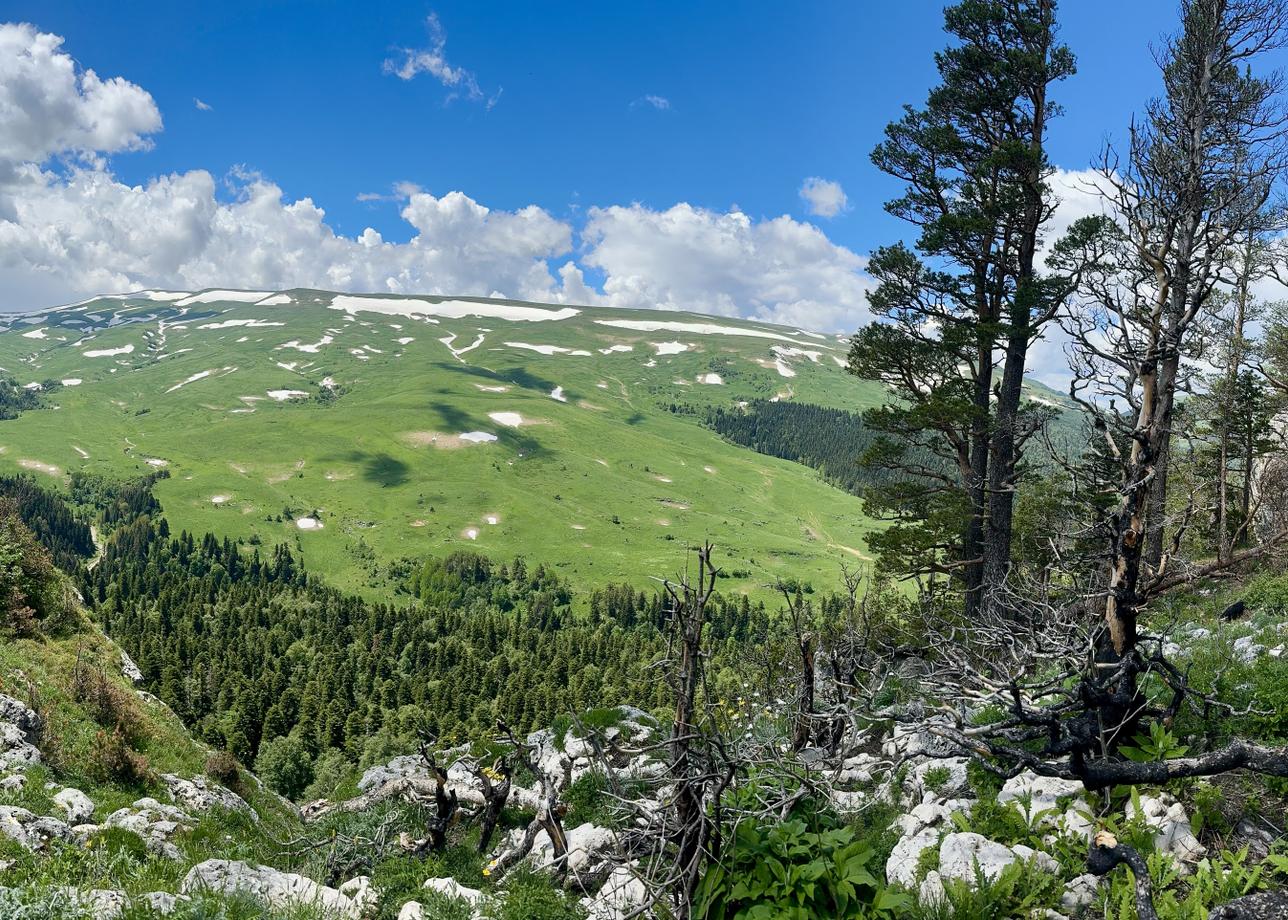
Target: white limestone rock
202, 794
917, 787
1043, 794
621, 895
273, 887
454, 889
1174, 834
129, 670
76, 805
587, 845
960, 853
901, 867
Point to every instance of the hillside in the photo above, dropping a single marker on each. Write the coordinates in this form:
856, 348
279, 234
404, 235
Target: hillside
374, 428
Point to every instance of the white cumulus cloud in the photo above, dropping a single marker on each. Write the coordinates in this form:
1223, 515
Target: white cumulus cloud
48, 105
823, 197
687, 258
69, 228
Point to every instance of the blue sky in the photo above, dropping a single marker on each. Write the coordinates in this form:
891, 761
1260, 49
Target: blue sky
758, 97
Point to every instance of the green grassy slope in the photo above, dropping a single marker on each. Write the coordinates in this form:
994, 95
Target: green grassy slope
606, 484
601, 478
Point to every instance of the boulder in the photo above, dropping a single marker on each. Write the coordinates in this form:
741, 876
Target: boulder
412, 910
30, 830
1080, 893
202, 794
901, 867
956, 783
75, 804
161, 902
454, 889
931, 892
13, 782
587, 845
1174, 834
274, 888
412, 765
155, 823
917, 742
1039, 797
859, 769
959, 854
1248, 649
18, 732
99, 903
621, 895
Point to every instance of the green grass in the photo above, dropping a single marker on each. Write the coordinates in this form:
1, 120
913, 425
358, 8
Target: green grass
607, 486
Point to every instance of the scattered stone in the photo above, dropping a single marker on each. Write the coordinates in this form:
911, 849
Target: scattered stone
12, 782
76, 805
1080, 893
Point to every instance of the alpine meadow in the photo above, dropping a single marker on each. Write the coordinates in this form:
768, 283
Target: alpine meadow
907, 540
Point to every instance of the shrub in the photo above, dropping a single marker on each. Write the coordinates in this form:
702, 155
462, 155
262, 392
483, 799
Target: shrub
114, 761
108, 704
531, 896
284, 763
224, 769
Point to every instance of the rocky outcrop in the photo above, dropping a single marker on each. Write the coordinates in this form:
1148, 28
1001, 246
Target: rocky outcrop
154, 822
19, 731
275, 888
202, 794
621, 896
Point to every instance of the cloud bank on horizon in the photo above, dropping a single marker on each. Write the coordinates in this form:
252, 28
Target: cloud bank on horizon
69, 228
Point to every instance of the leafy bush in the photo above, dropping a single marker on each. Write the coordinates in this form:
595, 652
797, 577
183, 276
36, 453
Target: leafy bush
792, 871
532, 896
284, 763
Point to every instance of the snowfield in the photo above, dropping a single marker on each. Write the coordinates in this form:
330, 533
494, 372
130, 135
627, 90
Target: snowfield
448, 309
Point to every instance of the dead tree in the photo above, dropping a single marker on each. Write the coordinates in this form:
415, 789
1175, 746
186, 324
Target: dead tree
445, 801
549, 817
801, 615
693, 827
495, 782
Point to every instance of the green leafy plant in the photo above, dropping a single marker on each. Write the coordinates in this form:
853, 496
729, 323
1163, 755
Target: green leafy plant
793, 872
1159, 744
